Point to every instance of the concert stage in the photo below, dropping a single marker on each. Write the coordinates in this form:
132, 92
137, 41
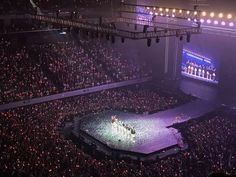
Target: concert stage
154, 134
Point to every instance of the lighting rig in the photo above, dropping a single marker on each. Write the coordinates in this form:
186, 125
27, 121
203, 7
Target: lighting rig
155, 26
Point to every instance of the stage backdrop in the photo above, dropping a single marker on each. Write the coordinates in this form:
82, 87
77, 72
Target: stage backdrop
222, 51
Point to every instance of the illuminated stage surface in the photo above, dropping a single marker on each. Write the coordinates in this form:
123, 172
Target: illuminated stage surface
153, 132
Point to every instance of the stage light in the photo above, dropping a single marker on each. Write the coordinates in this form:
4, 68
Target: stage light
180, 11
220, 15
208, 21
148, 8
101, 35
160, 9
202, 20
216, 22
149, 42
112, 39
223, 23
91, 34
189, 19
167, 15
188, 37
154, 8
62, 33
195, 12
107, 36
155, 29
161, 14
188, 12
229, 16
167, 10
231, 24
195, 20
173, 15
87, 33
96, 34
212, 14
173, 10
151, 13
100, 21
145, 27
204, 14
177, 34
156, 13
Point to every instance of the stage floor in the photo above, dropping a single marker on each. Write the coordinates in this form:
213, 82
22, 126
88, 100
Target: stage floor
153, 132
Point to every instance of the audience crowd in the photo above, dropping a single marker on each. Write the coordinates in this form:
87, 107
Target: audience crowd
25, 6
73, 66
31, 145
118, 66
14, 7
50, 67
50, 4
21, 77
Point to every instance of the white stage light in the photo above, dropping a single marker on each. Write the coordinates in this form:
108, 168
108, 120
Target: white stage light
216, 22
220, 15
212, 14
223, 23
208, 21
229, 16
202, 20
231, 24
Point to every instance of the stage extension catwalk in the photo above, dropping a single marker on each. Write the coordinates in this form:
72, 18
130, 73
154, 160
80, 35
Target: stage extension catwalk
153, 132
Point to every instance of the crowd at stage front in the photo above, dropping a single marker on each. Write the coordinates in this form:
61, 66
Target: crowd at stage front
31, 144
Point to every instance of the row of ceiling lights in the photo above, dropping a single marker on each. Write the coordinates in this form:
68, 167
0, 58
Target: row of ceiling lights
203, 16
188, 12
216, 22
180, 11
220, 15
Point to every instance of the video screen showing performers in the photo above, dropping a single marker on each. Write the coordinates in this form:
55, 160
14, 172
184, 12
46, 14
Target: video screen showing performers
199, 67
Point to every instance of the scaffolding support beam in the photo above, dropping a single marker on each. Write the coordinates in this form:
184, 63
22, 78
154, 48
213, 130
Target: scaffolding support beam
117, 32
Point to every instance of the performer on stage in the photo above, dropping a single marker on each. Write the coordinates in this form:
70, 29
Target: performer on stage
122, 127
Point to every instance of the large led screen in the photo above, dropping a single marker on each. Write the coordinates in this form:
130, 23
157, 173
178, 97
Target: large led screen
199, 67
